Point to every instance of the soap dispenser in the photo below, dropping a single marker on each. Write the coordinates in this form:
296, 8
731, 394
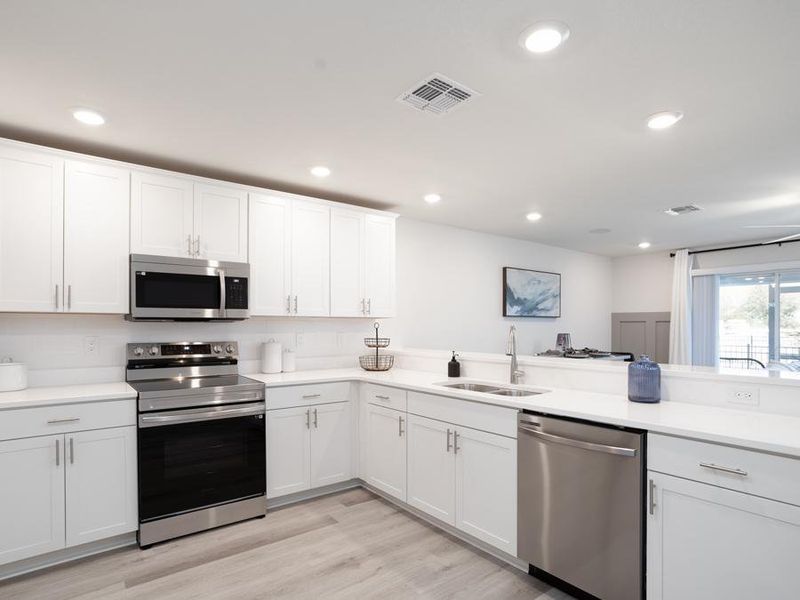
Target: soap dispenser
454, 367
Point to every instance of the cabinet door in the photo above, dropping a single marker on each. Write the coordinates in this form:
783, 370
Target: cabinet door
385, 452
220, 223
96, 232
31, 231
32, 497
708, 542
100, 484
431, 468
331, 443
162, 215
380, 265
288, 451
347, 264
310, 259
270, 255
486, 487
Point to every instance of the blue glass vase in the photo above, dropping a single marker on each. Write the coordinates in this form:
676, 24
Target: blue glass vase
644, 380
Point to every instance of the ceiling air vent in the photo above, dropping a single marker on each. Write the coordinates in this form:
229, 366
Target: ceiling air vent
677, 211
437, 94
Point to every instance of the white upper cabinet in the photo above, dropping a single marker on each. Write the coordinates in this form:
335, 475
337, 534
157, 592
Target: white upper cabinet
270, 255
162, 215
347, 263
310, 259
220, 223
96, 229
379, 261
31, 231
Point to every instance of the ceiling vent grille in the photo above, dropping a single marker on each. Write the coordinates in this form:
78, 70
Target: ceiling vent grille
677, 211
437, 94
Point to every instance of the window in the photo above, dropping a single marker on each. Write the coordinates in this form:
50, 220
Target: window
759, 320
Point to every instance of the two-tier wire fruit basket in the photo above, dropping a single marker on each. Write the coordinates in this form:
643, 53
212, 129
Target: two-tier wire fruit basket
376, 361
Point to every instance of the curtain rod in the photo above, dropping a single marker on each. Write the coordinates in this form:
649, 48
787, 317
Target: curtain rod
672, 254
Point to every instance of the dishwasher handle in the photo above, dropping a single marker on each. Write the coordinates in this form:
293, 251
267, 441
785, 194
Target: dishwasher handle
549, 437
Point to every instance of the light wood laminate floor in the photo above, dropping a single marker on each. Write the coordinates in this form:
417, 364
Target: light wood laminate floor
348, 545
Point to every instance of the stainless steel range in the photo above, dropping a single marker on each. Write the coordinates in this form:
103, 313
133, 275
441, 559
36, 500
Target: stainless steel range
201, 438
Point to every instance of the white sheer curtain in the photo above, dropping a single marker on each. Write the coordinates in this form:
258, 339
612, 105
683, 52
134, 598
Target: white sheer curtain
680, 330
705, 320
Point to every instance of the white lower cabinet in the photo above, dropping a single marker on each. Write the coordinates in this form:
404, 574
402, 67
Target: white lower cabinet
65, 490
466, 478
32, 497
384, 450
706, 542
308, 447
100, 484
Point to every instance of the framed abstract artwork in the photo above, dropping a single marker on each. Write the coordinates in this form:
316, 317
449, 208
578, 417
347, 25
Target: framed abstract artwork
529, 293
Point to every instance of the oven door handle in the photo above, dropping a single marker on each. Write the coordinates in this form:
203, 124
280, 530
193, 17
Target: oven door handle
192, 416
222, 301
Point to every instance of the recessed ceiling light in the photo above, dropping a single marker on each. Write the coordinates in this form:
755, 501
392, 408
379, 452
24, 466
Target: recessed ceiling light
644, 245
663, 120
544, 37
431, 198
600, 230
88, 117
320, 171
534, 216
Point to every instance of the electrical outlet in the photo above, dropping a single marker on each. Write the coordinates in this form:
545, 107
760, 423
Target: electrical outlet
300, 340
744, 396
90, 345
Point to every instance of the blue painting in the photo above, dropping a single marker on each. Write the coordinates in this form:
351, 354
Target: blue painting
531, 293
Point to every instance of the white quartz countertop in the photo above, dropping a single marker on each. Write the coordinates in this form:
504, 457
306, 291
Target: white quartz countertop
66, 394
750, 429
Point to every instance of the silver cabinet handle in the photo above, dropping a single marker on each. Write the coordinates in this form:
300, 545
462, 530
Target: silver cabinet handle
316, 424
63, 420
309, 396
58, 452
730, 470
455, 442
56, 295
189, 250
295, 305
197, 246
72, 451
69, 297
400, 426
549, 437
652, 497
363, 307
369, 306
308, 418
447, 449
289, 304
379, 397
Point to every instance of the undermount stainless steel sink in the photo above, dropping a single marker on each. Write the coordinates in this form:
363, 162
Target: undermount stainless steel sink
484, 388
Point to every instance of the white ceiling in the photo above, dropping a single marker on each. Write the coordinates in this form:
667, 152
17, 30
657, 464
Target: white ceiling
264, 90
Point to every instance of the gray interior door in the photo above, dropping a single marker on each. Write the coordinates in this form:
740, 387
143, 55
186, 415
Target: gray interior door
641, 333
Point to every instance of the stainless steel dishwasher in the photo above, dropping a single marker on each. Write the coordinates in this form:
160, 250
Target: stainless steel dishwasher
580, 504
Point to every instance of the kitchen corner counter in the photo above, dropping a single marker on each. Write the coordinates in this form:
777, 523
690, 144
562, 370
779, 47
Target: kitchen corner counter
748, 429
66, 394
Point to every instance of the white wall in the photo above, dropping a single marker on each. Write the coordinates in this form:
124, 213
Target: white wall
449, 284
642, 283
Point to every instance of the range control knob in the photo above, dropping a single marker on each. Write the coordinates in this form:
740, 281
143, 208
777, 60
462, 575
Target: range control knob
138, 351
153, 350
217, 349
230, 349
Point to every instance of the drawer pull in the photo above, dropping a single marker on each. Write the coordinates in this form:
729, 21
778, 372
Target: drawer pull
309, 396
64, 420
730, 470
379, 397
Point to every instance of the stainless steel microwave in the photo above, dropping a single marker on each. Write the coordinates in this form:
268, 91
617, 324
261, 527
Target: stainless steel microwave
164, 288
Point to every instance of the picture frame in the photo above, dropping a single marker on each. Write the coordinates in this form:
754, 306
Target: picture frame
531, 294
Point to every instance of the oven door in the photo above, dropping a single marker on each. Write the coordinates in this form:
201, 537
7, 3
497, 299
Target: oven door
187, 289
196, 458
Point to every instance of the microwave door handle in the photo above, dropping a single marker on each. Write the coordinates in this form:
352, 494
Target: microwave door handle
222, 292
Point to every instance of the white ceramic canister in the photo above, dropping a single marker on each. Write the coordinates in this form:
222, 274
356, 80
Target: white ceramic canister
271, 357
289, 360
13, 376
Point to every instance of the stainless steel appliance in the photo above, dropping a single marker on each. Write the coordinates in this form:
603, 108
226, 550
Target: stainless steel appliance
201, 438
580, 504
164, 288
587, 353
